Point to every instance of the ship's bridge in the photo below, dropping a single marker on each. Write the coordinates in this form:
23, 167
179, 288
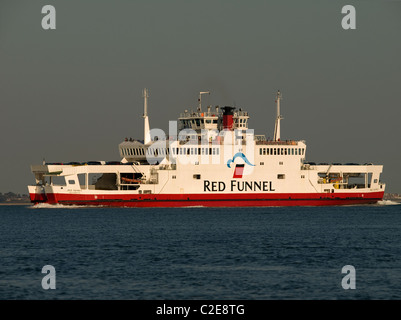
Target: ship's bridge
208, 120
229, 118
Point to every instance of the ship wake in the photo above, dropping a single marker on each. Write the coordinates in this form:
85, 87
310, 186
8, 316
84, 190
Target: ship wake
387, 203
60, 206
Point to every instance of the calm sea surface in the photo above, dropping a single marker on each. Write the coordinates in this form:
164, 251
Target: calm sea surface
200, 253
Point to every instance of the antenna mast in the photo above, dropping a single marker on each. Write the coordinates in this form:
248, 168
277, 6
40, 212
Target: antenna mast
200, 99
146, 130
276, 136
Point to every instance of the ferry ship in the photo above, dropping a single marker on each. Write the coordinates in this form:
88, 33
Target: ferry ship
208, 158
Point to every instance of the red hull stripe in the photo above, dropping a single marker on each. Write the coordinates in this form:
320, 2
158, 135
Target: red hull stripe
211, 200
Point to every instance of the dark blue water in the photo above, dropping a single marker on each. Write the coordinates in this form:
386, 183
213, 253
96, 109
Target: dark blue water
201, 253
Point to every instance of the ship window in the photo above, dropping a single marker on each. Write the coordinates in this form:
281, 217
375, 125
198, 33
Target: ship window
197, 176
57, 180
275, 151
271, 151
262, 163
102, 181
302, 177
82, 180
260, 151
208, 121
71, 181
215, 121
280, 163
285, 151
217, 151
281, 176
296, 151
264, 151
210, 150
267, 151
292, 151
282, 151
214, 151
199, 150
173, 177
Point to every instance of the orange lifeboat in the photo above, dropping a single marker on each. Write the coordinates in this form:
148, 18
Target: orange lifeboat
130, 180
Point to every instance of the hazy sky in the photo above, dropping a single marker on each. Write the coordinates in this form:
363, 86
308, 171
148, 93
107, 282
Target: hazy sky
74, 93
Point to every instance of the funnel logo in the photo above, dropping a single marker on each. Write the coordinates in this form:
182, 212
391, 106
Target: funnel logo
239, 168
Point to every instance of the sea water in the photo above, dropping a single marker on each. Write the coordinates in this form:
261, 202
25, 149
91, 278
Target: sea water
201, 253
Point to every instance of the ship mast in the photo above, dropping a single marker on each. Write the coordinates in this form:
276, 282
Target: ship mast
200, 99
146, 130
276, 136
